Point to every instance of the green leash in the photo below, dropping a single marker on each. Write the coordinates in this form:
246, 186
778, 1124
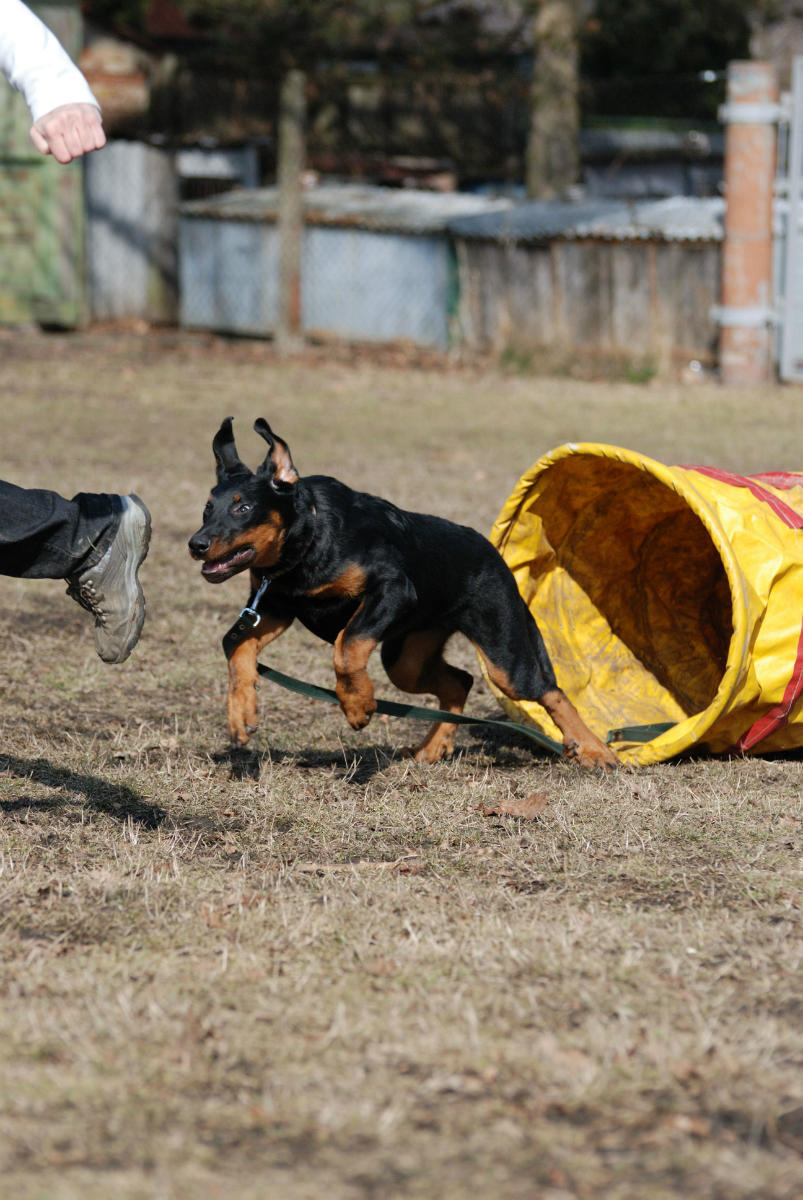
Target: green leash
639, 733
392, 708
248, 620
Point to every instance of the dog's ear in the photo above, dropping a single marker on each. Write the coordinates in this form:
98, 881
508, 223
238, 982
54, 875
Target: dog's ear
225, 451
278, 464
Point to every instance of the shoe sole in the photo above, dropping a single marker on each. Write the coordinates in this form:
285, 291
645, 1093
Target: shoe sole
132, 580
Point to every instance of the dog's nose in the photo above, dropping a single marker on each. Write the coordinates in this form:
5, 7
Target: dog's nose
199, 543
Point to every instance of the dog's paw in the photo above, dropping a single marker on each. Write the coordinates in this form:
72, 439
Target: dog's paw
593, 755
241, 717
433, 748
359, 716
241, 737
355, 693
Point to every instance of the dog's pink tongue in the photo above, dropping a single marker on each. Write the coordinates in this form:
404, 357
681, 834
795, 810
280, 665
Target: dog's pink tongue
214, 571
222, 568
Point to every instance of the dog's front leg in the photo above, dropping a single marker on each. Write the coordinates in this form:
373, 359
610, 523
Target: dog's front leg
379, 608
354, 688
241, 701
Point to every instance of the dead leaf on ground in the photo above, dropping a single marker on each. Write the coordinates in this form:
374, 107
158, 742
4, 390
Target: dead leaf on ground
527, 807
695, 1126
380, 966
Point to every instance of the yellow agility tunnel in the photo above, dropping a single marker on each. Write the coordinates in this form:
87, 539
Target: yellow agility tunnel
670, 599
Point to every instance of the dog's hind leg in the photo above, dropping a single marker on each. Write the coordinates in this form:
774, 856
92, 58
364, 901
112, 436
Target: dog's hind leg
579, 743
518, 664
416, 665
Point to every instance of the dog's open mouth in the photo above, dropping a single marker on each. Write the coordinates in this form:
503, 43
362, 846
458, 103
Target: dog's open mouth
218, 569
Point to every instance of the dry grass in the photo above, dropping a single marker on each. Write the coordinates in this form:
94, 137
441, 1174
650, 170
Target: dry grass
322, 971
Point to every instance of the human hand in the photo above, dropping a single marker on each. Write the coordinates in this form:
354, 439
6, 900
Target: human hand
69, 131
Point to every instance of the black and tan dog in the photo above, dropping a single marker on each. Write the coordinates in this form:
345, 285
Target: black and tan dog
359, 573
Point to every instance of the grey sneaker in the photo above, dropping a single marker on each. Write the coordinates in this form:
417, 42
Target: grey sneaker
111, 591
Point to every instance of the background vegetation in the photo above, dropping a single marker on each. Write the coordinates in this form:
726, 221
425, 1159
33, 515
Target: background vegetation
472, 82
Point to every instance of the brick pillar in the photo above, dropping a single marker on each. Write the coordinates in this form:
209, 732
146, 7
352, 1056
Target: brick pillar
751, 113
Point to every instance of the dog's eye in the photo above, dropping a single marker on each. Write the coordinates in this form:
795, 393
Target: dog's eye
240, 510
207, 512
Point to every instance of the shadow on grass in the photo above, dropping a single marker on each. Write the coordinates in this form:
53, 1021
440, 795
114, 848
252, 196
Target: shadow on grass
360, 766
114, 799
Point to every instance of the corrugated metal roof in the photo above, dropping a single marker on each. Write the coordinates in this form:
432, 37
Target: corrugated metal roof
675, 219
536, 220
403, 210
679, 218
409, 210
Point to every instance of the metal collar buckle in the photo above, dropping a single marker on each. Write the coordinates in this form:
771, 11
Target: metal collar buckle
251, 609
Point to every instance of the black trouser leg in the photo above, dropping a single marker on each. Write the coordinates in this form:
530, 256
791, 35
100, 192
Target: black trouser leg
44, 536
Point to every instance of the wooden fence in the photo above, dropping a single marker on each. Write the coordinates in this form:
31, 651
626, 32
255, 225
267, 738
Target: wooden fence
631, 298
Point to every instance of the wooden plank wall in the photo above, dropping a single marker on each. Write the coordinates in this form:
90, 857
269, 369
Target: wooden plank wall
639, 298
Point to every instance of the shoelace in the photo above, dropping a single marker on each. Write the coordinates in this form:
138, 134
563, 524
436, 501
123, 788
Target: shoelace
86, 595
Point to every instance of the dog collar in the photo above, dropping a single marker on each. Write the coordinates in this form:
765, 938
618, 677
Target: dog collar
247, 620
251, 609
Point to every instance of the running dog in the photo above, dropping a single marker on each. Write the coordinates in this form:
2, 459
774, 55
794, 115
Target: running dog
360, 573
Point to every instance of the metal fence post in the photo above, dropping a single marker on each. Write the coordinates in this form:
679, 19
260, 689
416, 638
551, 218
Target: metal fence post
290, 223
791, 302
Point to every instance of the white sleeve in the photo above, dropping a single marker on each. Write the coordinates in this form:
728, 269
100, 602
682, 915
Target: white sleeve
36, 64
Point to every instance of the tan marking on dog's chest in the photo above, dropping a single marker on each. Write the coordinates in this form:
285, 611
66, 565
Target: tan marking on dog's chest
350, 582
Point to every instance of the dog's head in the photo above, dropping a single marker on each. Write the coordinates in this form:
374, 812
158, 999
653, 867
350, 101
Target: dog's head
249, 513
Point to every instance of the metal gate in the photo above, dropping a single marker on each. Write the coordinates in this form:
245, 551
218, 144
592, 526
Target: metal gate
788, 255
